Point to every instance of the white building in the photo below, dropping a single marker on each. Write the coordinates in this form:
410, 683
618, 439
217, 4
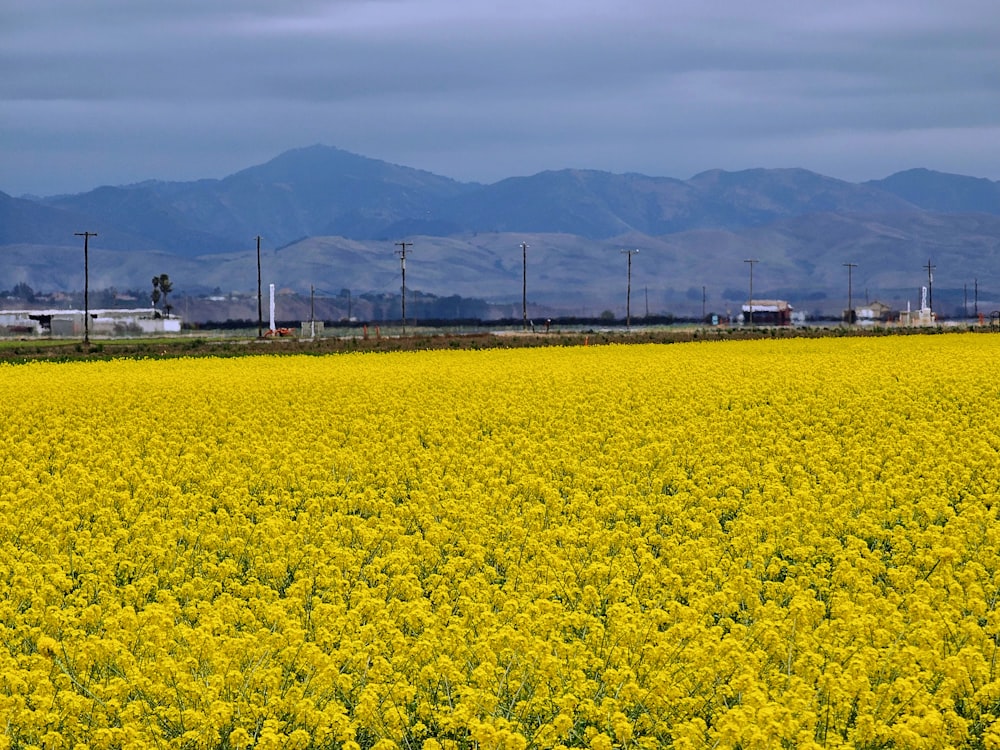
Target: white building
873, 312
70, 323
768, 312
919, 318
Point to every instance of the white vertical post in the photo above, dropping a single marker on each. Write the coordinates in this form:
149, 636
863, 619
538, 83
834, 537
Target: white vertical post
272, 308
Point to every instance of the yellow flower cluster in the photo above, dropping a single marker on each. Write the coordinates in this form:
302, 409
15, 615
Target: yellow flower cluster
754, 545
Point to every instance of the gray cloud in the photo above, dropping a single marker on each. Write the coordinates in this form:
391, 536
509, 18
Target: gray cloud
112, 91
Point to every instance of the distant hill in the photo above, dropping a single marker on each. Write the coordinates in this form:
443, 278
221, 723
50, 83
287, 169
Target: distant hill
31, 222
755, 197
801, 259
329, 218
939, 191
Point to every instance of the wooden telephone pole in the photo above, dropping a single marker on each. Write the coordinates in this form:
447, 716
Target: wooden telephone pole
86, 283
402, 267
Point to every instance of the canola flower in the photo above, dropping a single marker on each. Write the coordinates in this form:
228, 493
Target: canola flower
728, 545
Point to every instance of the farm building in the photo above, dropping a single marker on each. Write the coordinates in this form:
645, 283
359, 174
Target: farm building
917, 318
922, 317
768, 312
69, 323
873, 312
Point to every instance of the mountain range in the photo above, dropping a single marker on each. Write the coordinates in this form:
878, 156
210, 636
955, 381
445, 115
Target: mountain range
330, 219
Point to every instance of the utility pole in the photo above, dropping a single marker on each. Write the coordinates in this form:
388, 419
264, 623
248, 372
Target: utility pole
524, 286
850, 297
976, 299
260, 311
86, 283
312, 311
628, 292
402, 267
704, 313
930, 284
751, 261
645, 290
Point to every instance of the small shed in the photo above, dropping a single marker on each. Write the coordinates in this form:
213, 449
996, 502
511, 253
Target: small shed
310, 329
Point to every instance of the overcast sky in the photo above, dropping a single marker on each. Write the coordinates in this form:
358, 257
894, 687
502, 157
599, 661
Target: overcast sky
99, 92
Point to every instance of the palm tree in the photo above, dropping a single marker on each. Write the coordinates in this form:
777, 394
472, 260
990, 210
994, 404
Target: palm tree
162, 286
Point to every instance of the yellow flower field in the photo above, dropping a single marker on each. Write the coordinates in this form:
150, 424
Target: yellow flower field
758, 545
